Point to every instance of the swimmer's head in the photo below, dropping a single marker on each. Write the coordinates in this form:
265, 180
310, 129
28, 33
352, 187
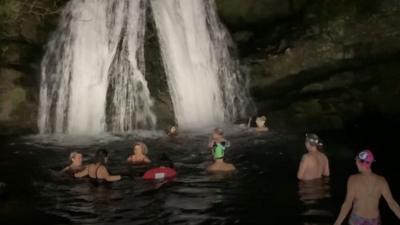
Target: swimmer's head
102, 156
217, 133
365, 159
75, 157
140, 148
172, 130
313, 142
260, 121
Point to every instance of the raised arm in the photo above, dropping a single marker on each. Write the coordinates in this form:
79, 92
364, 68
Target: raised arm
387, 194
82, 173
211, 143
65, 169
348, 202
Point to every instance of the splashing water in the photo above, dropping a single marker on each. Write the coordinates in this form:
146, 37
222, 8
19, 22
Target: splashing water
92, 73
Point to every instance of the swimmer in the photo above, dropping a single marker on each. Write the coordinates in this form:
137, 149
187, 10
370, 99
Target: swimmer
139, 154
172, 131
314, 164
76, 164
260, 122
218, 144
98, 171
216, 137
364, 191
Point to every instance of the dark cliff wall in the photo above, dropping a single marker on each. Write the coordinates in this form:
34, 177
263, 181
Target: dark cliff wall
320, 64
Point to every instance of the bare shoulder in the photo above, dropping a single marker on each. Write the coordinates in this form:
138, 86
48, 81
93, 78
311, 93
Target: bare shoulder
324, 156
306, 156
381, 180
354, 178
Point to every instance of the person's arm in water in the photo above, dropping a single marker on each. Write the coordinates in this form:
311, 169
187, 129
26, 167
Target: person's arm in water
348, 202
302, 167
326, 172
105, 175
65, 169
82, 173
249, 123
387, 194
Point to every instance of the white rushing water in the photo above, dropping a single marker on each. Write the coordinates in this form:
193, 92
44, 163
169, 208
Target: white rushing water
206, 86
92, 73
93, 80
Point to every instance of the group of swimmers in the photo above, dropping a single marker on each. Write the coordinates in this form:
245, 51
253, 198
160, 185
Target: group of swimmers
363, 190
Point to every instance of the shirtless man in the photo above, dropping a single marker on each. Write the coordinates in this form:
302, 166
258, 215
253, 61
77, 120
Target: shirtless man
363, 193
314, 164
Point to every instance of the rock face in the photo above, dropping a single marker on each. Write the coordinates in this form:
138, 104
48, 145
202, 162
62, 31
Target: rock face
24, 30
313, 64
320, 64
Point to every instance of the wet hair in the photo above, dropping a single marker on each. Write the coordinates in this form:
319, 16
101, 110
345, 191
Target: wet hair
218, 131
72, 155
314, 140
164, 160
101, 156
170, 128
143, 146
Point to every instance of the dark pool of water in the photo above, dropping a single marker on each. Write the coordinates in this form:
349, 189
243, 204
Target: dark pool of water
264, 190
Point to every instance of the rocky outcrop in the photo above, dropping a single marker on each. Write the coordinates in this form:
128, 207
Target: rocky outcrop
323, 64
24, 30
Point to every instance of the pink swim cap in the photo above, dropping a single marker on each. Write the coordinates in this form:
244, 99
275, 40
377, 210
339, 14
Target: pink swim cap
366, 157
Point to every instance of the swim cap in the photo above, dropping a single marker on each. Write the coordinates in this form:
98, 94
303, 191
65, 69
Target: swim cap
366, 157
314, 139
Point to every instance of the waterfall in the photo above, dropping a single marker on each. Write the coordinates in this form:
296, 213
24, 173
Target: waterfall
206, 86
92, 72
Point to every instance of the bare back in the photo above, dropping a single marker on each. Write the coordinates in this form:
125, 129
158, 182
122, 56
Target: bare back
96, 171
367, 191
313, 165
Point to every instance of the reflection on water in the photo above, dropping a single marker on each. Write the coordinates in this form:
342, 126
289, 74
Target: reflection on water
314, 194
312, 191
264, 189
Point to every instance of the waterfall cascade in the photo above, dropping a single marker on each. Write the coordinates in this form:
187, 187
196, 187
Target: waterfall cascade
92, 73
206, 86
93, 80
